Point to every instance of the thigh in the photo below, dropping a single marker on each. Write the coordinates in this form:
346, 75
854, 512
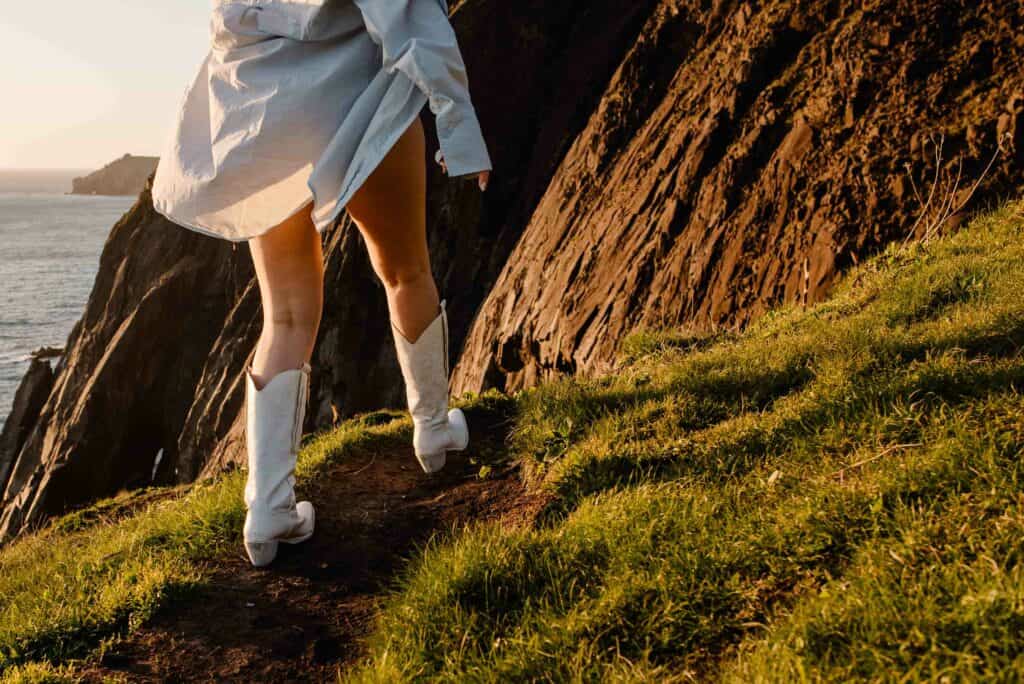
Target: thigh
289, 264
390, 207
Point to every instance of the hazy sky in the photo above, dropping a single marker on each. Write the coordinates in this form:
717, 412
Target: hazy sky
85, 81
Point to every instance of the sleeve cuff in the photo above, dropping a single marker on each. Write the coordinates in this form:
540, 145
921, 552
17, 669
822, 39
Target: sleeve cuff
462, 142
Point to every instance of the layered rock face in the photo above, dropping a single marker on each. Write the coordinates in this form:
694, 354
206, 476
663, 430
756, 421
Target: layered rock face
657, 163
741, 156
124, 176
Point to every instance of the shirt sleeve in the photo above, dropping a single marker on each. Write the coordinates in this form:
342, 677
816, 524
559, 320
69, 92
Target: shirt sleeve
417, 39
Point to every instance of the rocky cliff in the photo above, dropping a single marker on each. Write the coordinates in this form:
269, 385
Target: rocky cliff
124, 176
743, 154
662, 162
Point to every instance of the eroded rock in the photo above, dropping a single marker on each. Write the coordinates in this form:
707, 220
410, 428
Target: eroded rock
742, 156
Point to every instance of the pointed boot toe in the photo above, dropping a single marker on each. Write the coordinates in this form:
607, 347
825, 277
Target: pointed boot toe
261, 554
432, 463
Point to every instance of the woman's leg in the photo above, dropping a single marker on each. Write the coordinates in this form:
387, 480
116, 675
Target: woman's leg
290, 269
390, 210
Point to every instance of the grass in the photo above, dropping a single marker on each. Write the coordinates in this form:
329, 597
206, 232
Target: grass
833, 494
97, 574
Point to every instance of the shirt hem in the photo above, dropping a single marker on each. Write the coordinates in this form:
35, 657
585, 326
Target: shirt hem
213, 232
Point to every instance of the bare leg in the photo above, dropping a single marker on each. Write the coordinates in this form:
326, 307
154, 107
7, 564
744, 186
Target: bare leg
290, 269
391, 213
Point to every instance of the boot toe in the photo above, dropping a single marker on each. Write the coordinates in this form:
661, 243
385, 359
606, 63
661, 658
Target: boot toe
261, 554
431, 463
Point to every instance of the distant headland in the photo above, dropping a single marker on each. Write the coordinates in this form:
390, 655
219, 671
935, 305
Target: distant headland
124, 176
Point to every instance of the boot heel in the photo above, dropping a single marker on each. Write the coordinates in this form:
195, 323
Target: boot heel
459, 429
308, 514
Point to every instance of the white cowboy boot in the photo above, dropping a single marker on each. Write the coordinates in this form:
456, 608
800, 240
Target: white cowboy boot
436, 430
273, 430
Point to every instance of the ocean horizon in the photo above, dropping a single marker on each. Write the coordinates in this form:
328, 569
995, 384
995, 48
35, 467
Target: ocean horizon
50, 244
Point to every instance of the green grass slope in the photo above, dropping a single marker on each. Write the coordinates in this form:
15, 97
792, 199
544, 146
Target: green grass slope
834, 494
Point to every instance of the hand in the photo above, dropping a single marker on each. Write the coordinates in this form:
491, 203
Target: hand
482, 179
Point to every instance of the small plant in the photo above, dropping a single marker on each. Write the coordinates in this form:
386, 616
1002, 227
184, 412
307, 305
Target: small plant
557, 442
943, 202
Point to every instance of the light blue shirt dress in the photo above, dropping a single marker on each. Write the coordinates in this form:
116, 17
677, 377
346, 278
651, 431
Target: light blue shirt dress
299, 100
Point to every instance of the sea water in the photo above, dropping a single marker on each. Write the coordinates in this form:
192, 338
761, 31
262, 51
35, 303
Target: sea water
50, 245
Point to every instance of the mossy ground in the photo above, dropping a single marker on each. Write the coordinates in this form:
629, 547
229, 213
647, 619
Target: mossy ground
833, 494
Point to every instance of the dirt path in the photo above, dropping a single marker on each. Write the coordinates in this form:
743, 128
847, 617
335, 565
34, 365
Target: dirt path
304, 618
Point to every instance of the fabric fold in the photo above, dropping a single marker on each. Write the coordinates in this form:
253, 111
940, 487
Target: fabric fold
417, 39
296, 103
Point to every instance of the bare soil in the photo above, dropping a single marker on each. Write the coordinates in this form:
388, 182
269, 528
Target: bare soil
304, 619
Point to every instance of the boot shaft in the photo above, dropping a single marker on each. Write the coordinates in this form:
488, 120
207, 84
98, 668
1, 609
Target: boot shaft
424, 365
274, 417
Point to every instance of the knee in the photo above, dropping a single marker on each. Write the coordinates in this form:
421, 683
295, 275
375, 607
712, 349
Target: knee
295, 320
406, 276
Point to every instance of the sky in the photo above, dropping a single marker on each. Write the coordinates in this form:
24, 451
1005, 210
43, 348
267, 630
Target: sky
85, 81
